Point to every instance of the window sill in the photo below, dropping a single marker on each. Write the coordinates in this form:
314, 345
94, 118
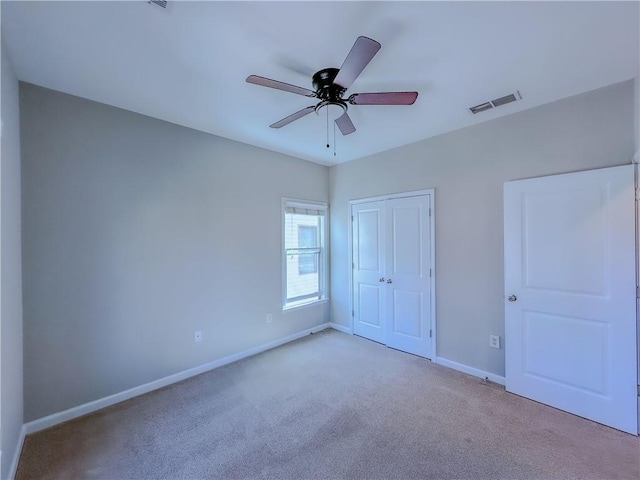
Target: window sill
304, 305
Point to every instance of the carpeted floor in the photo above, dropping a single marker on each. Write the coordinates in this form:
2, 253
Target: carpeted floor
330, 406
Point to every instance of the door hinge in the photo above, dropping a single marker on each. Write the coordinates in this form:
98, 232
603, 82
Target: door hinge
429, 212
639, 390
352, 218
353, 313
637, 292
430, 273
430, 333
353, 266
637, 194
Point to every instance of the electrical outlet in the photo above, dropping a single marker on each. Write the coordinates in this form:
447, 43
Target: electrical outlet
197, 336
269, 318
494, 341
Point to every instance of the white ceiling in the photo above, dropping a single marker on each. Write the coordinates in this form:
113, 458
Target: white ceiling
187, 63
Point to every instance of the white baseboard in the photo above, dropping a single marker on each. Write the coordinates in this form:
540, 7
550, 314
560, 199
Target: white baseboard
80, 410
476, 372
340, 328
13, 469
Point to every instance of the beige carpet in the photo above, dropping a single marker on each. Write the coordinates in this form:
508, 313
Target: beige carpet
330, 406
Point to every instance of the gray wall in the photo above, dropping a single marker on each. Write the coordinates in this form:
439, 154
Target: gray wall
11, 391
467, 168
137, 233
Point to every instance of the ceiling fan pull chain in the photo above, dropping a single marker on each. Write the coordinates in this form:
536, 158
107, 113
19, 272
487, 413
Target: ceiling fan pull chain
334, 139
327, 127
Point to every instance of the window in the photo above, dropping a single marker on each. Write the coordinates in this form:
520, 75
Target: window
304, 262
308, 238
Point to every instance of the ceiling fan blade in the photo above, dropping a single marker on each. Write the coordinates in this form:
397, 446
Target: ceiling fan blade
267, 82
345, 124
383, 98
293, 117
359, 57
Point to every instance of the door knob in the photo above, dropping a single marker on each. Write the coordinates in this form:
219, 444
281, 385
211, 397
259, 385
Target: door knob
381, 279
512, 298
389, 281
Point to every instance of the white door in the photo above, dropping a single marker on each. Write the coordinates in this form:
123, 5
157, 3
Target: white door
368, 270
391, 273
570, 293
408, 266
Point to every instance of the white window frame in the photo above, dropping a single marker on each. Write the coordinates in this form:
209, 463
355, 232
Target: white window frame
322, 261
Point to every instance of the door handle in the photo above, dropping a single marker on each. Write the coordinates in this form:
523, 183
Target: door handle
512, 298
381, 279
389, 281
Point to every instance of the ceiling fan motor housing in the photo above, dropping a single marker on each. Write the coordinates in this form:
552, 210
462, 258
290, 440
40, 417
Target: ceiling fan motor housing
328, 92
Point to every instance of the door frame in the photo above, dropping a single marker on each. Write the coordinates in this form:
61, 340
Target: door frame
636, 195
432, 252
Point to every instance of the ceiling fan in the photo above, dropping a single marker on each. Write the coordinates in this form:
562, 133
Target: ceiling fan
330, 85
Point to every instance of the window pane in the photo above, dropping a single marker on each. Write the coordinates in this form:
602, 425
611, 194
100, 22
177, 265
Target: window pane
308, 237
304, 256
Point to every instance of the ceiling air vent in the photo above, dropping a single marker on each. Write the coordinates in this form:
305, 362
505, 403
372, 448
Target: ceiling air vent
481, 108
512, 97
160, 3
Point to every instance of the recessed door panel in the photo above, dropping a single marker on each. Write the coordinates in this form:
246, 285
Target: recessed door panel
581, 216
369, 305
369, 252
406, 247
407, 314
551, 356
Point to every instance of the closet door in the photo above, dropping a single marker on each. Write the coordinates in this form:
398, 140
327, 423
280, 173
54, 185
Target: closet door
368, 270
408, 281
392, 273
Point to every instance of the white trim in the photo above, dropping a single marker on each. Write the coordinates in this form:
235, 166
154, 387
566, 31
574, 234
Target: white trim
430, 192
636, 184
350, 260
80, 410
16, 456
432, 230
636, 180
302, 306
341, 328
413, 193
476, 372
301, 203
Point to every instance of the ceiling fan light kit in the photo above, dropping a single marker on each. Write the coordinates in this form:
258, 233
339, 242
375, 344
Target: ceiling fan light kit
329, 92
331, 84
